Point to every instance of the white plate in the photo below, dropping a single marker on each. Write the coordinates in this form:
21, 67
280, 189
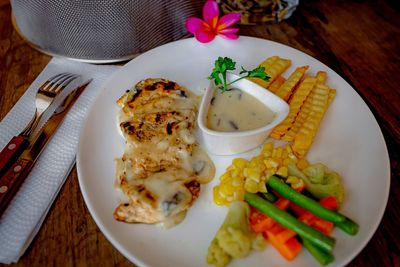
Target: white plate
349, 141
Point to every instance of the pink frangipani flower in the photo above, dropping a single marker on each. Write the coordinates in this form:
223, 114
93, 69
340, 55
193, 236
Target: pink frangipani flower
206, 30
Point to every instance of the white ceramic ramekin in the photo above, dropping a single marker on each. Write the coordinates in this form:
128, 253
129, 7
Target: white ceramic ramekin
229, 143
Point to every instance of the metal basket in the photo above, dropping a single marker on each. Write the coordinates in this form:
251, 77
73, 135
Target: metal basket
101, 31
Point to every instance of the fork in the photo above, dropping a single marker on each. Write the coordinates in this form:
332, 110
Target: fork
45, 95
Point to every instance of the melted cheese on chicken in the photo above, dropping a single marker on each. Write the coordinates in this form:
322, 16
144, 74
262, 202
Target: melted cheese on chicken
160, 172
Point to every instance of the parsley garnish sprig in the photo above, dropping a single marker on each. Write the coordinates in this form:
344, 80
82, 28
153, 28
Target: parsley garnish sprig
224, 64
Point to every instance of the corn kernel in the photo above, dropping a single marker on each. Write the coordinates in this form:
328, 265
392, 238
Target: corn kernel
230, 168
270, 163
262, 187
278, 153
253, 174
268, 147
239, 163
288, 161
298, 185
218, 199
225, 176
227, 189
282, 171
251, 186
269, 172
292, 156
273, 154
266, 154
236, 173
288, 148
237, 181
284, 154
292, 179
302, 164
295, 182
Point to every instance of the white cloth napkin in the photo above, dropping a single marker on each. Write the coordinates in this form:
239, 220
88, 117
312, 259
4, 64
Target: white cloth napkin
27, 211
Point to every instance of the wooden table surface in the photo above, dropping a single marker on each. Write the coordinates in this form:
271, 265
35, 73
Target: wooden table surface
360, 40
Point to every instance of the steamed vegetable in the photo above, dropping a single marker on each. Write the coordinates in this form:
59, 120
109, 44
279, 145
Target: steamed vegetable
320, 181
324, 242
281, 239
259, 222
309, 204
284, 240
234, 238
289, 249
310, 219
321, 256
286, 191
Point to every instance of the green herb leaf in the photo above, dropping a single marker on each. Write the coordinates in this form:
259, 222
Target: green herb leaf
223, 64
258, 72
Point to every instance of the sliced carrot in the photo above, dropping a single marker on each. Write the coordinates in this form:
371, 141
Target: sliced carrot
259, 222
323, 226
285, 235
282, 203
329, 202
290, 248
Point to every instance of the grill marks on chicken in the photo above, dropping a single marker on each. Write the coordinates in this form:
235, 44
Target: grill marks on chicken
160, 172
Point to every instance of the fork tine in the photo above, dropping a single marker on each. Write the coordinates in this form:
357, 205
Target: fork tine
47, 84
59, 80
49, 81
65, 83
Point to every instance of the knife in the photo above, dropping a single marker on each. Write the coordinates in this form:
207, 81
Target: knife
20, 142
11, 181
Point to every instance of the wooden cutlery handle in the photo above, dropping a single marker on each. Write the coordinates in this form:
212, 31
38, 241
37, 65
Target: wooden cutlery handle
11, 181
11, 151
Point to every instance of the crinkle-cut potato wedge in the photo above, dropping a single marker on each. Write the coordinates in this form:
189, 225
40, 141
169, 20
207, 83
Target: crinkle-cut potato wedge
305, 136
295, 103
287, 88
274, 67
321, 77
316, 101
274, 86
332, 94
269, 62
277, 68
266, 64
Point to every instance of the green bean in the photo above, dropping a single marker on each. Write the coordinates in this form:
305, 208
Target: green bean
321, 256
320, 240
348, 226
297, 198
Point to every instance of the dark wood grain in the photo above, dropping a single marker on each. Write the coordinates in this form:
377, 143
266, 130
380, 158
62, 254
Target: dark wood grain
358, 39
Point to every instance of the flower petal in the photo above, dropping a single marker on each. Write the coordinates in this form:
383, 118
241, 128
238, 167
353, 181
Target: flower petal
230, 36
228, 30
204, 36
228, 20
193, 24
211, 13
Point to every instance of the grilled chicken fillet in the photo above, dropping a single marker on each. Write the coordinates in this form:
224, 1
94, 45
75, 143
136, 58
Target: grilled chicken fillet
160, 172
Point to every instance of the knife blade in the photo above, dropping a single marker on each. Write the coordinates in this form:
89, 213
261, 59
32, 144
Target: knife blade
11, 181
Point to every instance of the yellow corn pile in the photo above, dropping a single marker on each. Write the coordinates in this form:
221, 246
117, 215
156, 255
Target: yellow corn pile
243, 175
